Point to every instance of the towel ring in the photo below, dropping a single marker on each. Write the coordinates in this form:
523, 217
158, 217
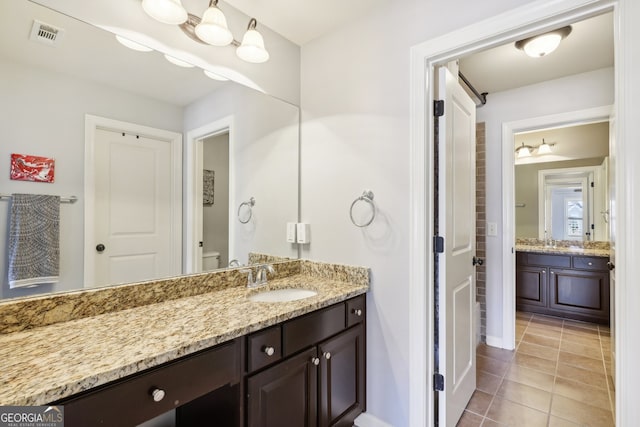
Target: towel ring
367, 197
249, 204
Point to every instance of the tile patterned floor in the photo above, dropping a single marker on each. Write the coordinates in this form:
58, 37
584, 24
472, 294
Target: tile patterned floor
559, 376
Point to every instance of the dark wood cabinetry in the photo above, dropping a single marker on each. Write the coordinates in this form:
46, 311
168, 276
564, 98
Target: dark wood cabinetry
321, 379
307, 371
571, 286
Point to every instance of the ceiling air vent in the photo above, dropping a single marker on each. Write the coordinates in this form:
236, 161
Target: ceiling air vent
45, 33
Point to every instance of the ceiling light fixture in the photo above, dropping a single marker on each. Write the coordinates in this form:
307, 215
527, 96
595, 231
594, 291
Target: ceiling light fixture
212, 29
543, 44
178, 62
215, 76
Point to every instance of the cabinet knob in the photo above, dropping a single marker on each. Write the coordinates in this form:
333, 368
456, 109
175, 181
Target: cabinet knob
268, 350
589, 263
327, 355
553, 272
315, 361
157, 394
357, 311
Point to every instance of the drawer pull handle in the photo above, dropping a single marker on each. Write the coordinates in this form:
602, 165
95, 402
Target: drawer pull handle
357, 312
269, 351
157, 394
315, 361
327, 355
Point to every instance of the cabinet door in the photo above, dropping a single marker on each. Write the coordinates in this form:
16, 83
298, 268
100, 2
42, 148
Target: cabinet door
285, 394
531, 286
584, 294
342, 378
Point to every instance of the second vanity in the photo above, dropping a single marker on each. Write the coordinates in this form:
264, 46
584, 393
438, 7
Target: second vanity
216, 357
564, 281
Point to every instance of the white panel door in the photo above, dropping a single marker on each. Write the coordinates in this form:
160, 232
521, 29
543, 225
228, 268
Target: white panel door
456, 193
133, 205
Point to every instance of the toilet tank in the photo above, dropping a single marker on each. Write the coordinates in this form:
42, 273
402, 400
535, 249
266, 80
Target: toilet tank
210, 260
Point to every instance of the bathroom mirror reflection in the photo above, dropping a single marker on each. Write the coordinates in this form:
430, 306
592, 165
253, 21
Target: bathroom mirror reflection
48, 91
563, 195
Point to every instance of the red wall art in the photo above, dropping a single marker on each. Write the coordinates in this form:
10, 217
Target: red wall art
32, 168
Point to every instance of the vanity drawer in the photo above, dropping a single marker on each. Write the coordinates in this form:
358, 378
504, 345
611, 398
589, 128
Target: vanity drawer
312, 328
544, 260
590, 263
264, 348
129, 402
356, 310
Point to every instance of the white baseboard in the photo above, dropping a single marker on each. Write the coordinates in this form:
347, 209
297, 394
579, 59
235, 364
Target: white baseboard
494, 341
368, 420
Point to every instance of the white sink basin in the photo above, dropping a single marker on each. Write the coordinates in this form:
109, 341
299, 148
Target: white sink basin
282, 295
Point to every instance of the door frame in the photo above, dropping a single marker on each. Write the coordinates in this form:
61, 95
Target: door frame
193, 190
538, 16
91, 125
509, 129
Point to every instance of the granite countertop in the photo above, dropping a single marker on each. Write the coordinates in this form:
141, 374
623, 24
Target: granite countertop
563, 250
43, 364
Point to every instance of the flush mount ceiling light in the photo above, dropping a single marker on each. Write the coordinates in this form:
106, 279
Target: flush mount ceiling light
215, 76
132, 45
178, 62
212, 29
543, 44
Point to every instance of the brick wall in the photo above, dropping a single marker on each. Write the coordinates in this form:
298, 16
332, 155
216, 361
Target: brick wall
481, 284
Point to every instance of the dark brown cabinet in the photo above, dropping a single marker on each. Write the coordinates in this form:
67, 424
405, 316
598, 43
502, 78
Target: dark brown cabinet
321, 380
570, 286
308, 371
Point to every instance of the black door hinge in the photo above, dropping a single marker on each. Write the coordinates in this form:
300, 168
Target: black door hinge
438, 244
438, 382
438, 108
592, 184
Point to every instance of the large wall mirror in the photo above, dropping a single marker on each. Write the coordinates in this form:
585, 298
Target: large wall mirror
562, 190
231, 183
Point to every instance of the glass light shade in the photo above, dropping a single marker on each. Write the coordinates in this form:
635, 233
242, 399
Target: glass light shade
215, 76
213, 29
132, 45
165, 11
178, 62
542, 45
544, 148
252, 48
523, 152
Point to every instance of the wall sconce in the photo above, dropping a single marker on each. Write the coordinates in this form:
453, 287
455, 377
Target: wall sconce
543, 44
527, 150
212, 29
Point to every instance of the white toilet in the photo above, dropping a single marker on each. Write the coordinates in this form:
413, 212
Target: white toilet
210, 260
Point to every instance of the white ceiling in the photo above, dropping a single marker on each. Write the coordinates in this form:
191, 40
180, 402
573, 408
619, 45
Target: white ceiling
589, 47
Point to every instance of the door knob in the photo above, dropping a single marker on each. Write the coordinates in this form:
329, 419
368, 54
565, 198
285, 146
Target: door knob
477, 261
327, 355
611, 265
100, 247
315, 361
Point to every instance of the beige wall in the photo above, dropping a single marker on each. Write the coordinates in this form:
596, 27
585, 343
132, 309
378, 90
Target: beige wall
526, 190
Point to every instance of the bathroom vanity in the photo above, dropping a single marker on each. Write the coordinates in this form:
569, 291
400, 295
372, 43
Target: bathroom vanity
563, 282
216, 357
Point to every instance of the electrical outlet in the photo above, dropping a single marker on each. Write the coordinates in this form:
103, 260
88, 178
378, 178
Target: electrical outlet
492, 228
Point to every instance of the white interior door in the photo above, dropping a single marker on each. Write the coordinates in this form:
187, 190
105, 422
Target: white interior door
134, 208
456, 194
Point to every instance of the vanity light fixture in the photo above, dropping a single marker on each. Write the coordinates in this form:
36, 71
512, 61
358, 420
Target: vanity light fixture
132, 45
215, 76
543, 44
212, 29
178, 62
527, 150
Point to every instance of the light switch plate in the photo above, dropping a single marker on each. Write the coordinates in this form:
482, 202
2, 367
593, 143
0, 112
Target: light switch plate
291, 232
303, 233
492, 228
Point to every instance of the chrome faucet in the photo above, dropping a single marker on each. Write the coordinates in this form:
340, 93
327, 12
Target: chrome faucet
261, 275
